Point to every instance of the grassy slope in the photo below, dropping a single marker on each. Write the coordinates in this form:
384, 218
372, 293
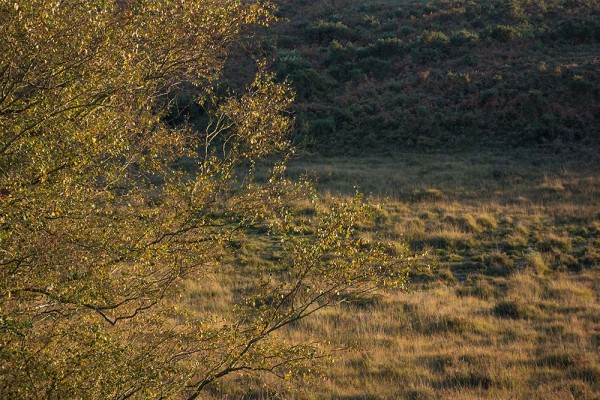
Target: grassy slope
510, 307
513, 308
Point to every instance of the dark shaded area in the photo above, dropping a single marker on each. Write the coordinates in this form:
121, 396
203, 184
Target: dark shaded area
388, 75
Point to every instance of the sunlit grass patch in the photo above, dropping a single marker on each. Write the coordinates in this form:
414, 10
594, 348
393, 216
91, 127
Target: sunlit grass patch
507, 306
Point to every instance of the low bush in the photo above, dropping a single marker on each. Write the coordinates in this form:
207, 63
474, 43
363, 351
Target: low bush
503, 33
577, 30
434, 39
383, 48
516, 310
464, 37
325, 32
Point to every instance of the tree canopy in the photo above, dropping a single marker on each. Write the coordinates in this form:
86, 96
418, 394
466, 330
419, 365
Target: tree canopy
101, 223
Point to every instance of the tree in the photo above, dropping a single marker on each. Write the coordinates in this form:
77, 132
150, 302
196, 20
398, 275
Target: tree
101, 229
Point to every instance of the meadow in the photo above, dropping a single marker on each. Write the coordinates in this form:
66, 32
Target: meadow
505, 303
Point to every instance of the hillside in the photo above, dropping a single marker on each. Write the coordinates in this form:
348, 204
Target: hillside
398, 74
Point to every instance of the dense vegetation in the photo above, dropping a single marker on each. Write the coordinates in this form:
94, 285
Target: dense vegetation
400, 74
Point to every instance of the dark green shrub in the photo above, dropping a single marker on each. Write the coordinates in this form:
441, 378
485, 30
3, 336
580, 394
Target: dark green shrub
356, 72
375, 67
581, 84
335, 18
290, 61
406, 30
470, 59
507, 9
371, 21
305, 79
307, 83
434, 39
368, 7
340, 53
322, 126
288, 41
387, 47
431, 46
578, 30
325, 32
473, 10
383, 48
400, 13
425, 55
389, 26
464, 37
537, 100
430, 9
503, 33
458, 77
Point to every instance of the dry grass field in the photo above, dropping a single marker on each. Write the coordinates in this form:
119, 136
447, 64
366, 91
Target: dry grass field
507, 305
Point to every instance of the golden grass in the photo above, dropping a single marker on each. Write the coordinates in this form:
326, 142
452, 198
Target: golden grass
512, 309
